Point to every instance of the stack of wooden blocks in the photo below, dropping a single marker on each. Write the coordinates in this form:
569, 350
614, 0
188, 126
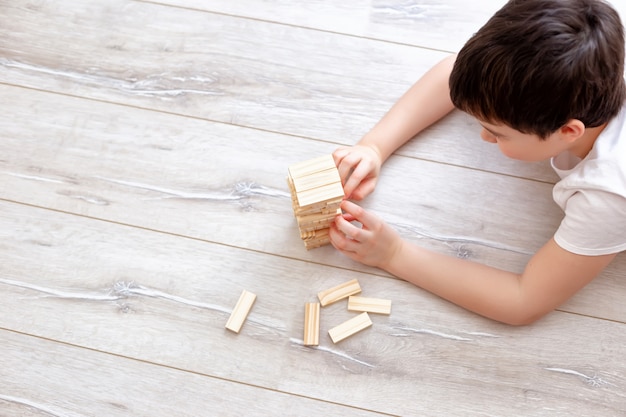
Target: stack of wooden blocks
316, 193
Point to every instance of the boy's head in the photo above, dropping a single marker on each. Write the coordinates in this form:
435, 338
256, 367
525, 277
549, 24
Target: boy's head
537, 64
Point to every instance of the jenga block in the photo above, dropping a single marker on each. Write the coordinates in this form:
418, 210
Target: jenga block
240, 312
316, 234
312, 244
311, 324
350, 327
317, 217
332, 207
339, 292
321, 195
318, 179
311, 166
370, 305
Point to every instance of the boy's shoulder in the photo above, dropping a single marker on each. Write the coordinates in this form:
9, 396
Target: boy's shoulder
592, 193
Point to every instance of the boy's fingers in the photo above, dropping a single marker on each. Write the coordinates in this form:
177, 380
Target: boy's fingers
363, 190
359, 214
345, 227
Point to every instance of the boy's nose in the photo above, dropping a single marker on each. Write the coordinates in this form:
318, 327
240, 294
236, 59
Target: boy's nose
487, 137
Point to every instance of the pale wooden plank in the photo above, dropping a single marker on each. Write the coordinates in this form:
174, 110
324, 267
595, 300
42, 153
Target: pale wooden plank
350, 327
118, 163
163, 299
321, 178
369, 305
241, 311
438, 24
310, 167
339, 292
43, 378
311, 324
246, 72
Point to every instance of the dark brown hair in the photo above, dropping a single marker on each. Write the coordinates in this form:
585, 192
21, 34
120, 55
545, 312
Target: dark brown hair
536, 64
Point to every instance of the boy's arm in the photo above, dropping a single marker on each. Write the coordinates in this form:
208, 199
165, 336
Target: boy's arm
427, 101
552, 276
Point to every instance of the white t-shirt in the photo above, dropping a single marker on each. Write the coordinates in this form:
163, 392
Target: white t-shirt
592, 193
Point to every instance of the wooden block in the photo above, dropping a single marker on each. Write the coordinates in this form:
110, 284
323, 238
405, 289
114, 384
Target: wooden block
318, 179
240, 312
325, 207
339, 292
321, 195
311, 324
370, 305
311, 166
350, 327
312, 244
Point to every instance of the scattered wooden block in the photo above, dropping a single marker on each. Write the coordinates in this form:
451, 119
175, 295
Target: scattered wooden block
240, 312
350, 327
339, 292
370, 305
311, 324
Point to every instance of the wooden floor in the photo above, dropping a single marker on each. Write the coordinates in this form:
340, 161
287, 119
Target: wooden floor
143, 159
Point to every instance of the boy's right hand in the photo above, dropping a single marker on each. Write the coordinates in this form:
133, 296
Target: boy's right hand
358, 166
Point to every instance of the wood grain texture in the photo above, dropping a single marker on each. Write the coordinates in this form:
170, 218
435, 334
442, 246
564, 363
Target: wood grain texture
245, 72
437, 24
41, 378
163, 299
311, 324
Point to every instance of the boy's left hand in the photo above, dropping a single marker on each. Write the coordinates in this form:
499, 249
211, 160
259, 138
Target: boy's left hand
374, 244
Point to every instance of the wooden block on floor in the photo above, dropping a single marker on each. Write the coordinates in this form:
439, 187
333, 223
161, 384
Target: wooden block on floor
240, 312
339, 292
311, 324
350, 327
369, 305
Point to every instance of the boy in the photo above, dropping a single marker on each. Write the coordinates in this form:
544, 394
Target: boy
544, 78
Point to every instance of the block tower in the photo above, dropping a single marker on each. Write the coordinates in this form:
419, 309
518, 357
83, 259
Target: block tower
316, 193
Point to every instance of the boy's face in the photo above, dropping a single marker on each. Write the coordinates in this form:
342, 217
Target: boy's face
522, 146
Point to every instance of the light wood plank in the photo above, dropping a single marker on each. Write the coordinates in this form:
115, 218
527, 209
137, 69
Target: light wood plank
369, 305
43, 378
311, 167
311, 324
339, 292
439, 24
241, 311
82, 161
350, 327
321, 195
320, 179
262, 75
163, 299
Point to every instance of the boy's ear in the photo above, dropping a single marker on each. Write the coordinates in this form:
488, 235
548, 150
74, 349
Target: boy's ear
572, 130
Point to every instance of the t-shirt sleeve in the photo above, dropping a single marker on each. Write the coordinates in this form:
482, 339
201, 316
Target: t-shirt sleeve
594, 223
